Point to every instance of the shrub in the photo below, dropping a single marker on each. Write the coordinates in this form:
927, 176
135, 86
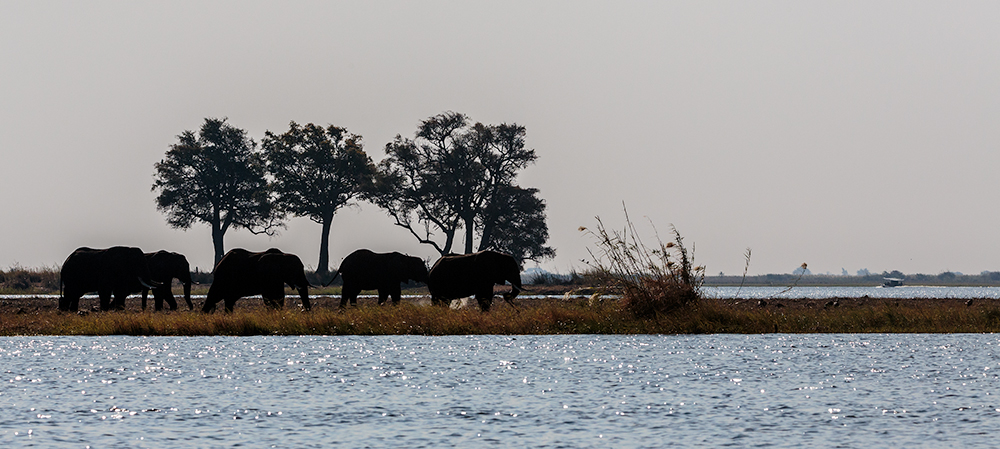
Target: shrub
652, 281
18, 278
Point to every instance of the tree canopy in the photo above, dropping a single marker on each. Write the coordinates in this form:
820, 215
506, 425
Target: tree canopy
454, 176
316, 171
217, 177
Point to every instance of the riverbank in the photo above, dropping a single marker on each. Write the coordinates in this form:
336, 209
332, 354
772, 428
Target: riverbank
573, 315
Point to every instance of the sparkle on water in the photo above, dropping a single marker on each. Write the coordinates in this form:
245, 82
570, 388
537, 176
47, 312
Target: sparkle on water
538, 391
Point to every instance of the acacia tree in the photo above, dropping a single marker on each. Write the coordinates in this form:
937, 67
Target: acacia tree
215, 177
317, 171
455, 176
515, 223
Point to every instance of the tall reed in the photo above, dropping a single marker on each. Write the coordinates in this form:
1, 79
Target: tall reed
652, 281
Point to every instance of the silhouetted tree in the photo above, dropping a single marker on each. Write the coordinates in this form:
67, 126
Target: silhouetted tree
456, 176
515, 223
216, 177
317, 171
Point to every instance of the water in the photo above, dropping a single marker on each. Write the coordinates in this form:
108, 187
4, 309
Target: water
526, 391
754, 292
906, 291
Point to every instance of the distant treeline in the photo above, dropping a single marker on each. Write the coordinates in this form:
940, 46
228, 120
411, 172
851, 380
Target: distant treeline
948, 278
21, 280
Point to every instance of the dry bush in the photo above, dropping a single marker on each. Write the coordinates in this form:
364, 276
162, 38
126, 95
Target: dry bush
652, 281
19, 279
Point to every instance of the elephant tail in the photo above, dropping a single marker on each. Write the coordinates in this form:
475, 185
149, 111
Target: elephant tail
335, 274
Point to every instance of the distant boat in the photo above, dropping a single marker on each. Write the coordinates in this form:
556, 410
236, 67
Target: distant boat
892, 282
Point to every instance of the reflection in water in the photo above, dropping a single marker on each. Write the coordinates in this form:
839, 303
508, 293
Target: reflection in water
551, 391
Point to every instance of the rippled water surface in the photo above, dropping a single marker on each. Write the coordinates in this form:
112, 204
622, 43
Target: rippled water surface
751, 292
906, 291
553, 391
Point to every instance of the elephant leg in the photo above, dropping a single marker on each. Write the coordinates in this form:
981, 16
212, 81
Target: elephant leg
485, 299
70, 302
209, 305
119, 303
74, 304
66, 300
349, 293
383, 294
145, 292
304, 297
275, 303
164, 295
105, 299
396, 294
230, 302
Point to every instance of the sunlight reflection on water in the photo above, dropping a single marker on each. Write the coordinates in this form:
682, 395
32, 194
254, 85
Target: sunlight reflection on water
754, 292
906, 291
539, 391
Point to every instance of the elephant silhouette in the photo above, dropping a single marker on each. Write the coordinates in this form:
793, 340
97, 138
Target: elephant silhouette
241, 273
164, 266
367, 270
117, 271
458, 276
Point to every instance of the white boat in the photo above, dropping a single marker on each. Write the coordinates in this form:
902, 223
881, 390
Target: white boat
892, 282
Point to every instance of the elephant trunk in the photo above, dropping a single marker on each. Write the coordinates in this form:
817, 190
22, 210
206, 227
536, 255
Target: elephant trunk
304, 296
187, 294
515, 288
335, 274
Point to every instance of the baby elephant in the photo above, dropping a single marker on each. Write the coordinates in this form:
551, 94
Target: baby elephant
367, 270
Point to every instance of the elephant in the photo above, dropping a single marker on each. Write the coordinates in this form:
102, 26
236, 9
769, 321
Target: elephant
117, 271
367, 270
458, 276
164, 266
242, 273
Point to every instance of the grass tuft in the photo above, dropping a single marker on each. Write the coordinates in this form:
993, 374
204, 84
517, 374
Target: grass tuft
653, 281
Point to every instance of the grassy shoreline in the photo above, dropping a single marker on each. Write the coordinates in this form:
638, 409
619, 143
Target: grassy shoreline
531, 317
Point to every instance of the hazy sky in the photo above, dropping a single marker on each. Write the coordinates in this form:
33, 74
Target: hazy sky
846, 135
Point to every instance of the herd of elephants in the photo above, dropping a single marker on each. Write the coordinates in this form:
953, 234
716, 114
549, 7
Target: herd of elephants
120, 271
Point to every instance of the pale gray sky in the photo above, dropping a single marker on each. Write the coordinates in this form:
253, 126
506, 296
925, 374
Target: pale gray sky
842, 134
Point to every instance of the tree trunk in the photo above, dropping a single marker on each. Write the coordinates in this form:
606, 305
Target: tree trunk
220, 248
448, 242
324, 245
470, 228
218, 232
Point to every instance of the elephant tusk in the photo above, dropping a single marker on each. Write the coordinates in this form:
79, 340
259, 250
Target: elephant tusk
144, 284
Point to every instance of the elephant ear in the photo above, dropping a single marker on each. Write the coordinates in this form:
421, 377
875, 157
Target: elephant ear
268, 269
292, 271
396, 268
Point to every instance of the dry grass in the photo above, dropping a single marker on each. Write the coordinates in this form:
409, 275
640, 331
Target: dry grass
543, 317
889, 316
386, 320
654, 282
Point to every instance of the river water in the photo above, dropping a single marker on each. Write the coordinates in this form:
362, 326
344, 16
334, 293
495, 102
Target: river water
749, 292
906, 291
772, 390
